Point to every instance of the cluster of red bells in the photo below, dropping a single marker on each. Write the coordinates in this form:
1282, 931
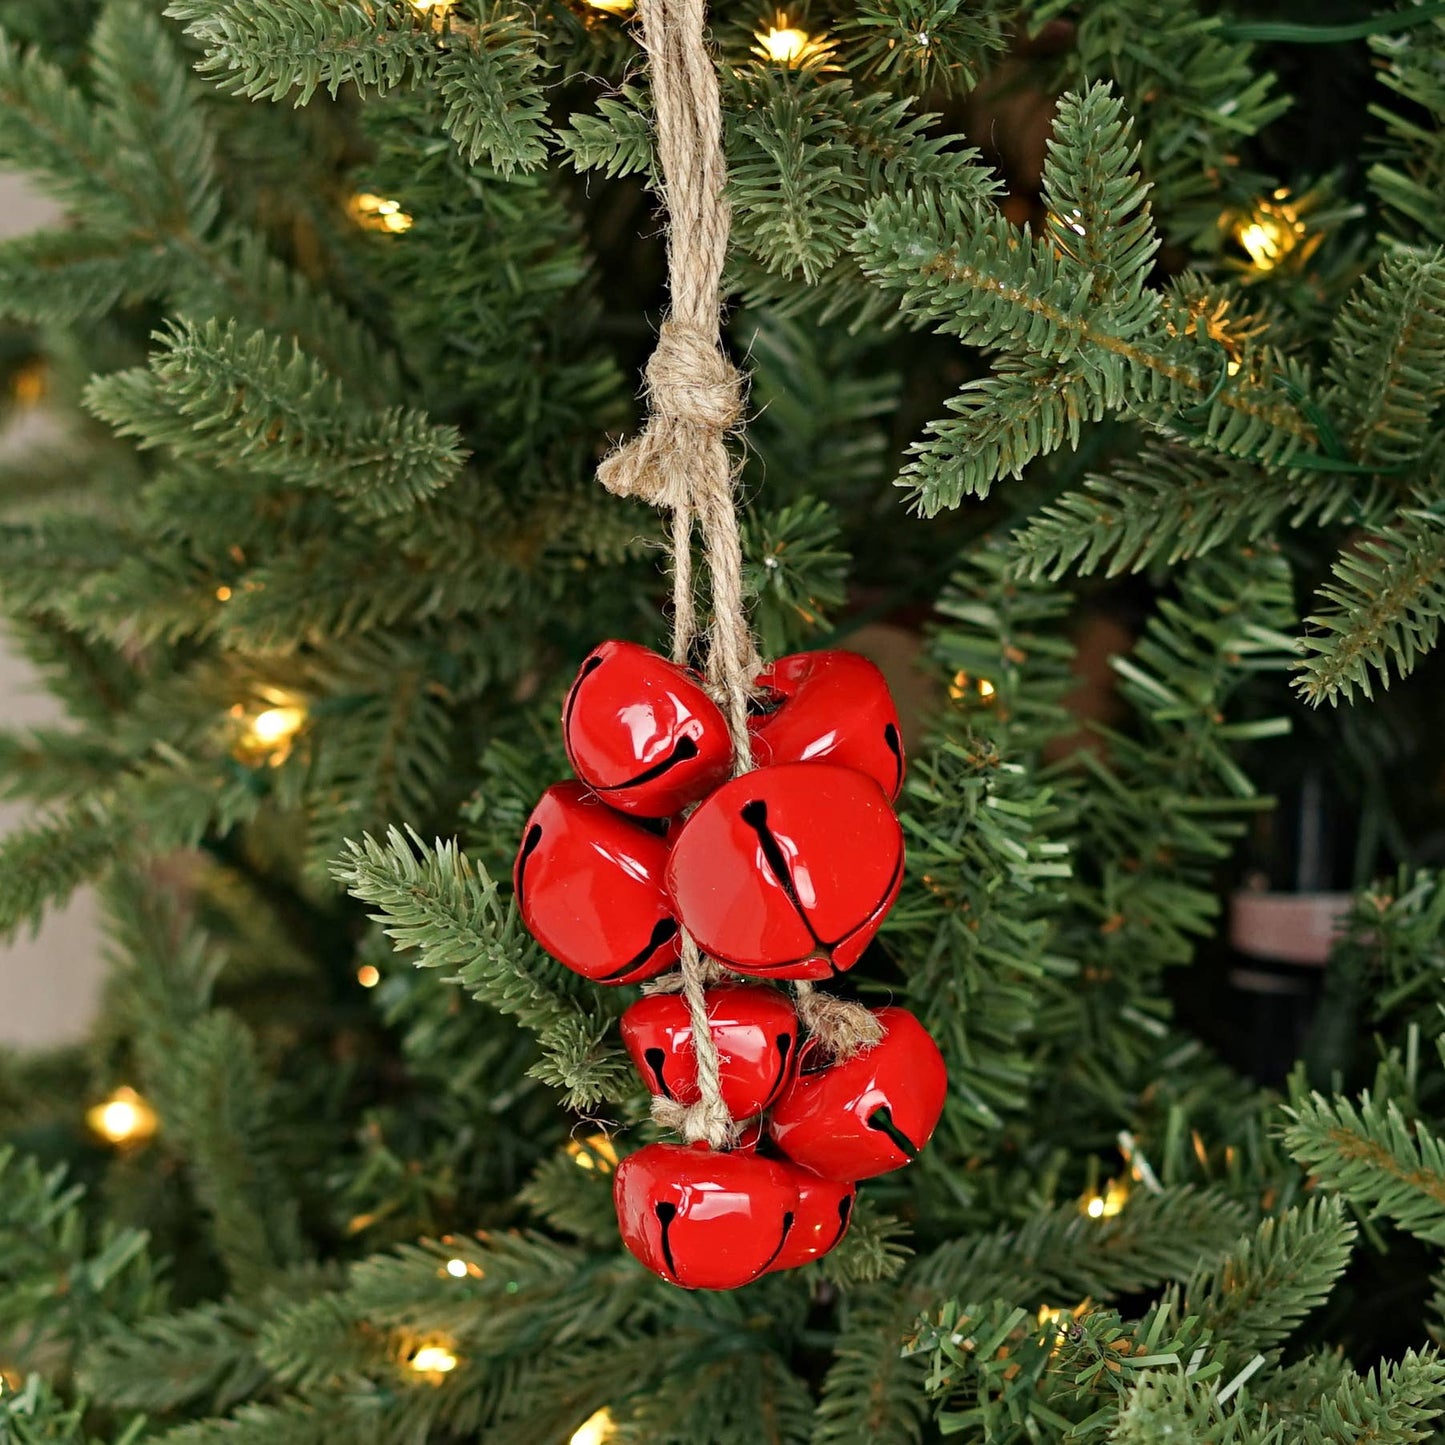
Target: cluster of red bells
786, 872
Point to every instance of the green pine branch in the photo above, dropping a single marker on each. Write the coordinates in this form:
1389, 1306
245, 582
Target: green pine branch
59, 277
1168, 505
201, 1357
1385, 1164
926, 46
221, 1110
1386, 604
36, 1414
63, 1279
434, 900
216, 394
1387, 360
617, 140
1205, 93
288, 49
1097, 212
488, 81
1080, 306
1256, 1296
1408, 178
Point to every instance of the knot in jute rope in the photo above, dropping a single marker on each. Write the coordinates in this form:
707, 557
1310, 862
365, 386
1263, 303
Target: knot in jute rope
695, 398
842, 1028
680, 462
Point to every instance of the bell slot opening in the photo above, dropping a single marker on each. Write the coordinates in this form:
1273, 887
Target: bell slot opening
656, 1060
683, 750
588, 668
529, 846
664, 931
666, 1213
755, 815
845, 1213
895, 746
784, 1045
787, 1228
882, 1120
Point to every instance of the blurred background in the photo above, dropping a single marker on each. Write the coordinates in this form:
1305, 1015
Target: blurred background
49, 983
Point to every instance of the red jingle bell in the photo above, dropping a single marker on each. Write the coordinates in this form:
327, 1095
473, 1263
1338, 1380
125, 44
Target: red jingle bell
788, 872
701, 1218
825, 1210
641, 731
756, 1033
869, 1114
830, 707
590, 887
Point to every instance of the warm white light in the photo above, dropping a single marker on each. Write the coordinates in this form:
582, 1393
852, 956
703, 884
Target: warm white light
1271, 231
29, 385
277, 724
1107, 1204
611, 7
595, 1429
457, 1268
377, 213
965, 685
124, 1118
595, 1152
785, 43
785, 46
368, 975
433, 1360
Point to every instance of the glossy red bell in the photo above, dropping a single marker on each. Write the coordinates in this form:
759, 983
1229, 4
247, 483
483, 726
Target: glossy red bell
590, 887
870, 1114
756, 1033
829, 707
825, 1210
701, 1218
788, 872
641, 731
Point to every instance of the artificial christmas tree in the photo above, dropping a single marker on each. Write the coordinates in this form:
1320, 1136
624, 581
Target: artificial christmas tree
345, 313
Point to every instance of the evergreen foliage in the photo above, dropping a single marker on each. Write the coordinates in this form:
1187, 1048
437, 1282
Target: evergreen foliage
342, 309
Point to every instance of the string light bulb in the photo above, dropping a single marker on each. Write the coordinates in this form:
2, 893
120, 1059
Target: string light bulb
433, 1360
1107, 1204
786, 43
125, 1118
611, 7
377, 213
1212, 318
1271, 232
593, 1153
368, 975
267, 734
30, 383
596, 1429
965, 687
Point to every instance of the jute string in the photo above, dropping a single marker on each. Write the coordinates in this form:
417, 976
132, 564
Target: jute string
680, 462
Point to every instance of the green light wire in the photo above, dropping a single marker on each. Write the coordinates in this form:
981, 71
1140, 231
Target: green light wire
1260, 30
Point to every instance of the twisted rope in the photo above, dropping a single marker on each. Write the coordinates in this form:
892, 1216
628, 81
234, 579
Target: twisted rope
680, 462
680, 459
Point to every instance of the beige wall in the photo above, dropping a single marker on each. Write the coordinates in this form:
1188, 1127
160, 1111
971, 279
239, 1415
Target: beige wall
48, 983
